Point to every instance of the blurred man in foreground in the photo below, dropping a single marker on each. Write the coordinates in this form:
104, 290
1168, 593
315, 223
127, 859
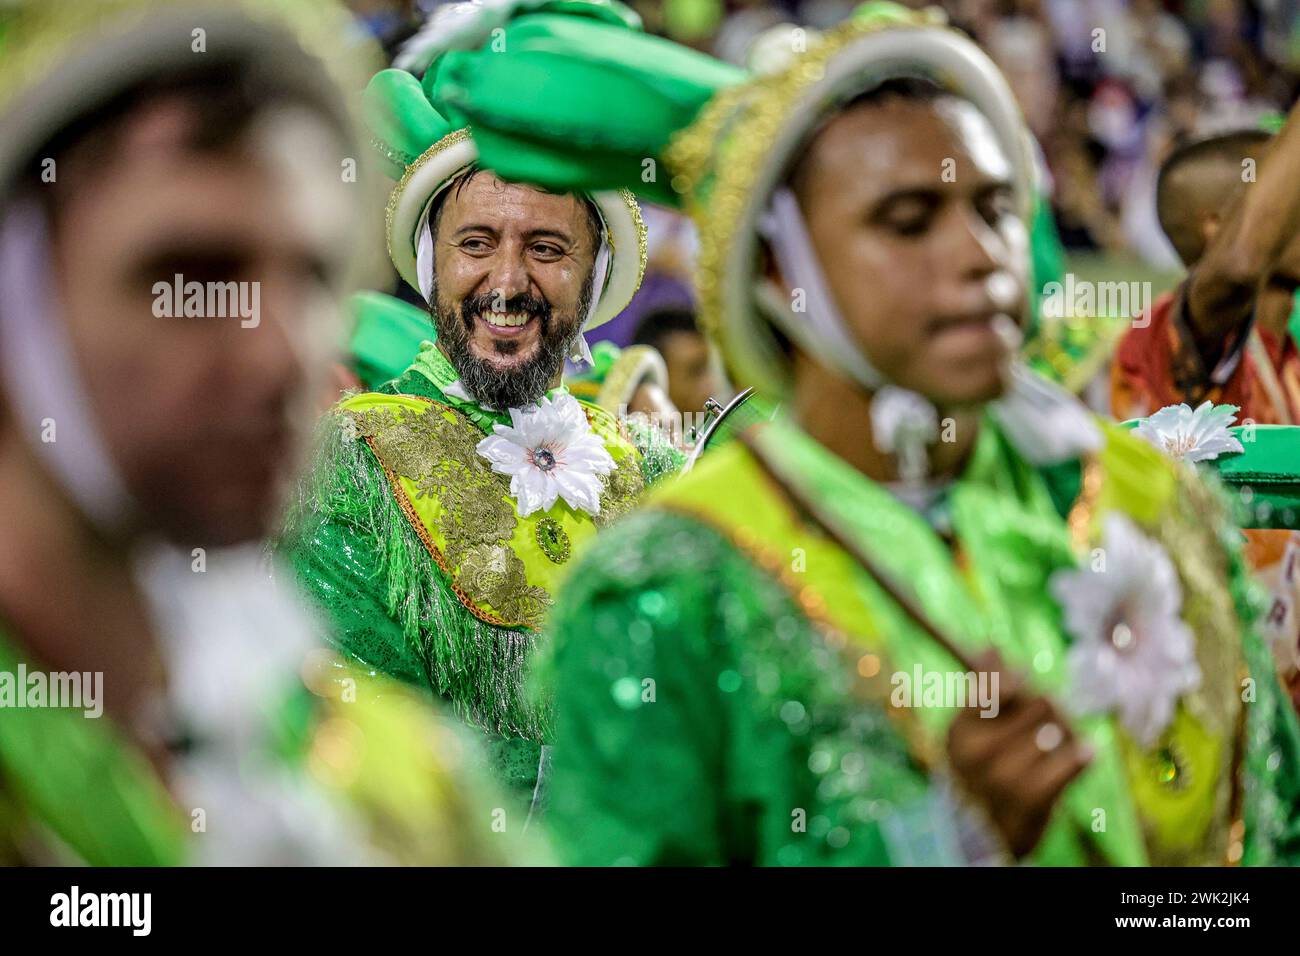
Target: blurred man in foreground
173, 240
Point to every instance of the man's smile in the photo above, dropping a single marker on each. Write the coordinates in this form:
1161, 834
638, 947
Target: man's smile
509, 324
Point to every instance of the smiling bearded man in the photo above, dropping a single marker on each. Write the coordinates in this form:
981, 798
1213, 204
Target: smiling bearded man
448, 502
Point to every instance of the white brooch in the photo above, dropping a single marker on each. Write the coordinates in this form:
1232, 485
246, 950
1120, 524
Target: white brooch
549, 452
1187, 435
1132, 654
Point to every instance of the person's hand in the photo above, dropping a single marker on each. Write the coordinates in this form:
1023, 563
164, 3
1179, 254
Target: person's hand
1016, 764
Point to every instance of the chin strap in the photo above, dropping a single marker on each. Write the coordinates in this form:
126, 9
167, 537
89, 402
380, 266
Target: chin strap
904, 423
581, 351
819, 328
39, 376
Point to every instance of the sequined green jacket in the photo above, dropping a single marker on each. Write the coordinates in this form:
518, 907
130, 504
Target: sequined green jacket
724, 672
446, 604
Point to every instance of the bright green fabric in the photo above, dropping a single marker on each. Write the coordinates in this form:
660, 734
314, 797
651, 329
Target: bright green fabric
747, 718
1046, 256
666, 597
387, 335
402, 122
51, 758
625, 93
1012, 540
715, 769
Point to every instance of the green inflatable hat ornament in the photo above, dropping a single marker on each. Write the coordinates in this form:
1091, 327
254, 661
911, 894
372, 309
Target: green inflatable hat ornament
387, 336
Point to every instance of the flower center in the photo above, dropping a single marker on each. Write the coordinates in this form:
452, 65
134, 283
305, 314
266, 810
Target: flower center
1179, 444
1121, 635
544, 459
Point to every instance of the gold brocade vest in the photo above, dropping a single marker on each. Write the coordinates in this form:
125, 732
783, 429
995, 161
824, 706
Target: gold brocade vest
502, 567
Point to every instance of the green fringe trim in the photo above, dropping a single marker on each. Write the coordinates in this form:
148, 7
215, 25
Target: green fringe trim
659, 457
477, 666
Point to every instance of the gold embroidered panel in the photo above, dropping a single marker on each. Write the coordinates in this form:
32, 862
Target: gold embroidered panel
500, 567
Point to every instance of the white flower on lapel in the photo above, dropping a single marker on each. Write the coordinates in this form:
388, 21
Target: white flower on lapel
1187, 435
1132, 654
549, 452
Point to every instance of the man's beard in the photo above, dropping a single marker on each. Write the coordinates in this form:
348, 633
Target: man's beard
520, 384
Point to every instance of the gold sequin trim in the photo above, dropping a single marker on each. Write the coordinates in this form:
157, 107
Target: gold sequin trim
390, 210
1079, 520
475, 519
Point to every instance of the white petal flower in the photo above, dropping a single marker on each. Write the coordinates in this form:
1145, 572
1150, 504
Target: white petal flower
549, 452
1132, 654
1187, 435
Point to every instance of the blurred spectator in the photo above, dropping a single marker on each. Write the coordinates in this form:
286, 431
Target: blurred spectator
691, 379
1108, 86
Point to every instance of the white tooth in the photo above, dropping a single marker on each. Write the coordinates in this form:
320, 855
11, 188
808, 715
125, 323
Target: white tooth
504, 319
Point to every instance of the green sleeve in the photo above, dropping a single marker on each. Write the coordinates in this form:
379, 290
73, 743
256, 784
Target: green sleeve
336, 560
638, 765
702, 720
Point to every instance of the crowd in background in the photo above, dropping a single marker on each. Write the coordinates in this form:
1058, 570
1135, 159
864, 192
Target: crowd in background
1107, 86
